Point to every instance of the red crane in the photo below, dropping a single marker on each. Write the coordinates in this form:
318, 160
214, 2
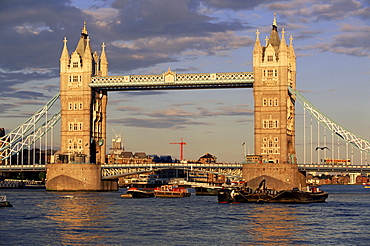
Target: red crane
181, 149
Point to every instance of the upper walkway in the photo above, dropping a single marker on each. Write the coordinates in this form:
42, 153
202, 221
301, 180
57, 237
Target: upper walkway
170, 80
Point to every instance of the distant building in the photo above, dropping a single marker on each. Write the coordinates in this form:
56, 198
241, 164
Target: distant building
208, 158
127, 157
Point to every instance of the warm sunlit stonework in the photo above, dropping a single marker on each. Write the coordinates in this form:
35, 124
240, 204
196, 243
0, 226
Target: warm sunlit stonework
84, 83
274, 68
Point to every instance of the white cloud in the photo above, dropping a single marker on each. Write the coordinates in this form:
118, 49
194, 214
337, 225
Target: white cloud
34, 28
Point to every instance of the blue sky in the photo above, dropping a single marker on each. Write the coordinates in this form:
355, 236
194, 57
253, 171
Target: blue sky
331, 40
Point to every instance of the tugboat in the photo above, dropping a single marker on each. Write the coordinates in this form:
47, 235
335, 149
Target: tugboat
168, 191
138, 193
245, 194
4, 202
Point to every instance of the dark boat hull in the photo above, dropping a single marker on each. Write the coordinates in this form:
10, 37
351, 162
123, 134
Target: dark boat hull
270, 196
206, 191
5, 204
141, 193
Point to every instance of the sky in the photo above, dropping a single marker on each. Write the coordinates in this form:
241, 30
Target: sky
330, 37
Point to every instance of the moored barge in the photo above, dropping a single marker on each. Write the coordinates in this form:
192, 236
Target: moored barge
245, 194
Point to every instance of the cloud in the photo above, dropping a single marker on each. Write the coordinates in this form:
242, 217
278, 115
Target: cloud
352, 41
174, 123
33, 28
171, 112
241, 110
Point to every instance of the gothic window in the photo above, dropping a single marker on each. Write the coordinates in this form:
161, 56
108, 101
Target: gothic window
276, 139
75, 64
270, 102
264, 102
80, 106
270, 124
270, 73
264, 139
276, 102
270, 58
276, 73
70, 105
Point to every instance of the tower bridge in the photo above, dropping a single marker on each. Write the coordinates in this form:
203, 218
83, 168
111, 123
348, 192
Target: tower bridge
84, 87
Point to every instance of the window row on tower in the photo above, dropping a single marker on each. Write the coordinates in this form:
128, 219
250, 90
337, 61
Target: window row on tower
270, 102
75, 106
270, 73
75, 80
270, 124
75, 126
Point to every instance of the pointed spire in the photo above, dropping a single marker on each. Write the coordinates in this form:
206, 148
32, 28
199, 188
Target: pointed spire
103, 57
274, 21
274, 35
84, 30
88, 52
80, 49
65, 53
103, 61
283, 46
291, 48
257, 44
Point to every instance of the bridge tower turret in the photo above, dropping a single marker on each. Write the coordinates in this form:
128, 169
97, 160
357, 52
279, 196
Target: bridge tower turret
83, 130
274, 67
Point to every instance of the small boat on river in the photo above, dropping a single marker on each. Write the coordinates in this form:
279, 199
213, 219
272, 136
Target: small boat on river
245, 194
169, 191
138, 193
4, 202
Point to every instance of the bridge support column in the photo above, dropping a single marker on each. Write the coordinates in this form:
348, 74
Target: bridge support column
279, 177
352, 177
77, 177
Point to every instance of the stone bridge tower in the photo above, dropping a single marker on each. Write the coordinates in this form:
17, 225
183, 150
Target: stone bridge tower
274, 67
83, 129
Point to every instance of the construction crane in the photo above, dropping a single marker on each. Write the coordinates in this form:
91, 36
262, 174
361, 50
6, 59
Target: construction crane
181, 149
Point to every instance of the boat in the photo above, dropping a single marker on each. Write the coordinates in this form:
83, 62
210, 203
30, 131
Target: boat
366, 185
207, 190
169, 191
4, 202
245, 194
141, 193
134, 192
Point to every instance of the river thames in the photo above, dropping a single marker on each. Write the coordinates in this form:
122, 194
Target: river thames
103, 218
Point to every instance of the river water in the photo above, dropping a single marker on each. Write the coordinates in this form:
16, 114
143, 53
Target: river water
103, 218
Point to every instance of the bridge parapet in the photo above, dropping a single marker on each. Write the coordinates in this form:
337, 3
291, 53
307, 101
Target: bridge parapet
171, 79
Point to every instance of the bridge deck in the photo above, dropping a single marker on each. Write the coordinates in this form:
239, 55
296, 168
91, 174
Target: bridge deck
171, 80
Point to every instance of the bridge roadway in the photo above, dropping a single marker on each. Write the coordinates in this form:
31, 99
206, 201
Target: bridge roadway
229, 169
170, 80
